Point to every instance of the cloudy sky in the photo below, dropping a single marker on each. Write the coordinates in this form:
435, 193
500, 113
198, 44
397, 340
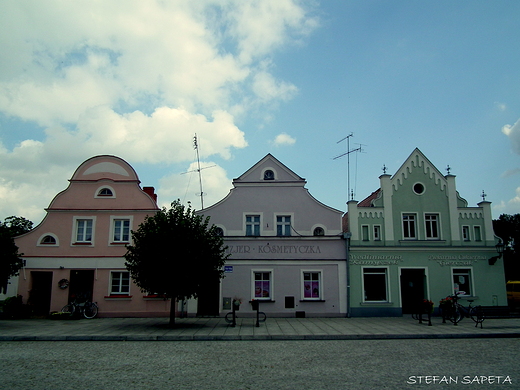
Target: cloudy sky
138, 79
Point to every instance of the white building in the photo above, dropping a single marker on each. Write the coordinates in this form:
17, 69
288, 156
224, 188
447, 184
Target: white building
287, 249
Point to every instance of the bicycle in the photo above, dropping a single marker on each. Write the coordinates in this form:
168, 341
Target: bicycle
88, 309
455, 312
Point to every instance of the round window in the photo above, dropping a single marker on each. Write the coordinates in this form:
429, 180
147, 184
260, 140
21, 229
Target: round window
418, 188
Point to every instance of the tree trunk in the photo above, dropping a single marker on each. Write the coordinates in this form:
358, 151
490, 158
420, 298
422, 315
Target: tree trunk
172, 312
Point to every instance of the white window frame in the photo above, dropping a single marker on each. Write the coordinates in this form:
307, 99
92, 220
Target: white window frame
414, 215
97, 196
284, 223
271, 284
120, 283
75, 226
386, 272
466, 232
113, 219
320, 284
40, 243
435, 223
478, 236
471, 280
253, 224
377, 232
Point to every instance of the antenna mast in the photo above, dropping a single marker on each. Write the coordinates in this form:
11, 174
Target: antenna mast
347, 153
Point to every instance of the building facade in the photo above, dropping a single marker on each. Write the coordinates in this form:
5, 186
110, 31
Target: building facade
287, 249
415, 238
76, 252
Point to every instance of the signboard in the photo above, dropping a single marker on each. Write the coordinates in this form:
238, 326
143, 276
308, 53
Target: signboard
228, 268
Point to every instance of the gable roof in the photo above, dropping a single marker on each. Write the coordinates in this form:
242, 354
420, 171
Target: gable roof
418, 160
282, 174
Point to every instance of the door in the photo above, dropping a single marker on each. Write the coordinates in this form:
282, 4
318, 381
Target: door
209, 298
413, 289
41, 291
81, 285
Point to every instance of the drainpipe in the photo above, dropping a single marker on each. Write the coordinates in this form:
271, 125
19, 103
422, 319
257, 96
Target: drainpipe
347, 236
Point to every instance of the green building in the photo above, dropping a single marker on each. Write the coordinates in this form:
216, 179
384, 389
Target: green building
415, 238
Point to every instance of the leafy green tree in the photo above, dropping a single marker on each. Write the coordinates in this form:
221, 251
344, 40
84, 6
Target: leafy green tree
175, 253
507, 227
10, 259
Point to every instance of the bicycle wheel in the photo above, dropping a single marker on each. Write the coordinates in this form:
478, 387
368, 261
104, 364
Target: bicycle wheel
477, 314
90, 310
68, 309
229, 317
454, 315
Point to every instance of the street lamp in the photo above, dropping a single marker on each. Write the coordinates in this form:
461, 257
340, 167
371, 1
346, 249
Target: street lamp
500, 250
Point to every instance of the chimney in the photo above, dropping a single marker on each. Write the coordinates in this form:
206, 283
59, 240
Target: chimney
151, 191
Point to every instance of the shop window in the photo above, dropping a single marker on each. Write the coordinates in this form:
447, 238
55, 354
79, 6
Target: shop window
84, 230
312, 285
462, 281
465, 233
120, 283
263, 285
283, 225
432, 226
375, 282
121, 229
478, 233
364, 233
409, 231
377, 233
252, 225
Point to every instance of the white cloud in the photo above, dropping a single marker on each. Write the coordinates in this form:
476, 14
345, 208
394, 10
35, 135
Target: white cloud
136, 79
513, 132
283, 139
500, 106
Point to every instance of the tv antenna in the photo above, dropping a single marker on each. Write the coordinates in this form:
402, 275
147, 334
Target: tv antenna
196, 147
350, 194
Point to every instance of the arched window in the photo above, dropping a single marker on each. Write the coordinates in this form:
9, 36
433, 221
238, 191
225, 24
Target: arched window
105, 192
219, 232
319, 231
48, 240
268, 175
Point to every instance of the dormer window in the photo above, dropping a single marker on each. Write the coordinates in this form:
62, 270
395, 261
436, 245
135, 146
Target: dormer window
319, 231
268, 175
105, 192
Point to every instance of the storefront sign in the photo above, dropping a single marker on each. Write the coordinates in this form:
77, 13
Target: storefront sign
228, 268
275, 249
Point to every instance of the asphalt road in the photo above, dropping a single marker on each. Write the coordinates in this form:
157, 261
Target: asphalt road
273, 365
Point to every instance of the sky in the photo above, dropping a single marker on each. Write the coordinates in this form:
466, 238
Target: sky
139, 78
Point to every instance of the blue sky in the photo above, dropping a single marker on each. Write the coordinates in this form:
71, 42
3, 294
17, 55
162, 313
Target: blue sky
138, 79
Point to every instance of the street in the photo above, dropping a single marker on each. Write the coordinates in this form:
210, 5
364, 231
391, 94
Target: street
313, 364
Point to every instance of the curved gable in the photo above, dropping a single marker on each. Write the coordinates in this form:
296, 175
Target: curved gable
105, 167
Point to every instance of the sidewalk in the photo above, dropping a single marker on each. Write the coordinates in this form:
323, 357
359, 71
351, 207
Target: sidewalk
156, 329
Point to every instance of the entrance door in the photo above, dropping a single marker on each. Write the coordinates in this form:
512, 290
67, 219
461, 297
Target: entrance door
209, 299
40, 294
413, 289
81, 285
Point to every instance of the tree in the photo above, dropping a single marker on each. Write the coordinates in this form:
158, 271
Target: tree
507, 227
10, 259
175, 253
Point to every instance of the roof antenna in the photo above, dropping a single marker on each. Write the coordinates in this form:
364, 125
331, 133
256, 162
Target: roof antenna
347, 153
196, 147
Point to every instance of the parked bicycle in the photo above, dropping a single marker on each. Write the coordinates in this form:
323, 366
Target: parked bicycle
453, 311
88, 309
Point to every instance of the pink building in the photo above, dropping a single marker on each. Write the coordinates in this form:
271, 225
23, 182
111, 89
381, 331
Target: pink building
77, 250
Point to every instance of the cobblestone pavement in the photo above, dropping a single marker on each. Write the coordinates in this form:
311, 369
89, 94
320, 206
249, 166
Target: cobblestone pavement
201, 329
272, 365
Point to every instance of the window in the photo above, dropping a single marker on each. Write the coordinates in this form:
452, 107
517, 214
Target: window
121, 230
84, 230
283, 225
262, 285
252, 225
462, 281
48, 240
418, 188
268, 175
465, 233
219, 232
120, 283
478, 235
432, 226
364, 233
409, 226
105, 192
319, 231
375, 284
377, 233
311, 285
